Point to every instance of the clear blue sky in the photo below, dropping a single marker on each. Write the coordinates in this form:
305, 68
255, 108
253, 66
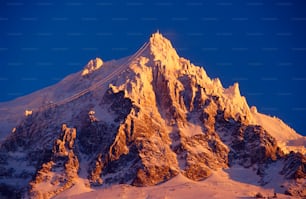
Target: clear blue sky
260, 44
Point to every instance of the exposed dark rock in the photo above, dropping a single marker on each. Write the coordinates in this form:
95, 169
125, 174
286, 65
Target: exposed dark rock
295, 166
62, 170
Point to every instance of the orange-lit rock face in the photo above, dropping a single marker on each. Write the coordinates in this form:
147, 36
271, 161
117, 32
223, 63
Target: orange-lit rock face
141, 121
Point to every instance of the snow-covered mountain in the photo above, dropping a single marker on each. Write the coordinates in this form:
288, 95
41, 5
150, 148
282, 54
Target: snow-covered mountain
143, 120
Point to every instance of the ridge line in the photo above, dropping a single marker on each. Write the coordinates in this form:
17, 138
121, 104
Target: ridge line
97, 84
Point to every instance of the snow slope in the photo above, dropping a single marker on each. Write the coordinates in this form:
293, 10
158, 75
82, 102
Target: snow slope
221, 184
70, 88
286, 137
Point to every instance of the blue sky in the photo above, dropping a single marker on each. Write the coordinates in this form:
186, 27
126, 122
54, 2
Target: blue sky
260, 44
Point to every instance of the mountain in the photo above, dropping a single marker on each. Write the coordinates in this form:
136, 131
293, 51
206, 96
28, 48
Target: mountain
152, 119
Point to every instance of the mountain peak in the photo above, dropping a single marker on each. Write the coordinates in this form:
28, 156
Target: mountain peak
158, 37
162, 49
142, 120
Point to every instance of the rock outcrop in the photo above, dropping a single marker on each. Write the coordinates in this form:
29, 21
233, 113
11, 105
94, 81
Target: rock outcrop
92, 66
61, 171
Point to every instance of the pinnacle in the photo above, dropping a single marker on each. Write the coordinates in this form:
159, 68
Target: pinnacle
156, 34
161, 47
158, 39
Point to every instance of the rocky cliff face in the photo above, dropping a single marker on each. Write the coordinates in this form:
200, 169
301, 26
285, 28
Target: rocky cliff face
61, 171
155, 116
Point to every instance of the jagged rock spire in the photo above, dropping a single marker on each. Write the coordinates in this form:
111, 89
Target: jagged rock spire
162, 49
